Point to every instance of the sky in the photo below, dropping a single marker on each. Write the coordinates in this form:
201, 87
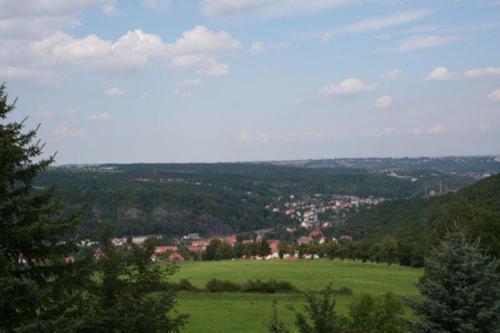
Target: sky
253, 80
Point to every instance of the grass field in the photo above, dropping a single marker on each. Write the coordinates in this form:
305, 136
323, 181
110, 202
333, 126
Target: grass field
243, 312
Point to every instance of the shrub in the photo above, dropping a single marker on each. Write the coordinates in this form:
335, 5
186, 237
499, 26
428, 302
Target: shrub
215, 286
345, 291
271, 286
182, 285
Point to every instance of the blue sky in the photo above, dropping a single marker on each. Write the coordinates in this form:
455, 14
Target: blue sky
228, 80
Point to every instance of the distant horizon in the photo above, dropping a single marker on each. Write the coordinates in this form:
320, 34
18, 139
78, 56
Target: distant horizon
288, 160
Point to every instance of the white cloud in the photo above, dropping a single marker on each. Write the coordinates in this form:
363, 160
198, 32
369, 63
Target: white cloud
244, 136
193, 49
439, 74
260, 47
422, 42
204, 64
346, 87
482, 72
494, 96
437, 129
40, 76
157, 4
134, 49
219, 8
113, 91
100, 116
394, 74
200, 39
376, 23
65, 131
383, 102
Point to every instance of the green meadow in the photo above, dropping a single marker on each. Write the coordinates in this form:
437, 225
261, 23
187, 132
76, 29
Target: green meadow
248, 312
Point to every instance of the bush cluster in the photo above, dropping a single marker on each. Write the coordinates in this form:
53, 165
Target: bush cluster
344, 291
217, 286
271, 286
251, 286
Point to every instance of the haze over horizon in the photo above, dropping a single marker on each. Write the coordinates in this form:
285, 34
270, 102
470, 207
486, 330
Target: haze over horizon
115, 81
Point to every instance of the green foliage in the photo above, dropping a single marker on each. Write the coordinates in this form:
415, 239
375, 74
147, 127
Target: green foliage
418, 224
264, 248
275, 325
36, 285
344, 291
217, 286
271, 286
377, 315
129, 294
319, 314
220, 198
389, 249
460, 288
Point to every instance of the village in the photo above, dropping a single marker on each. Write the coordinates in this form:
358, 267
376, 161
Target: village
307, 217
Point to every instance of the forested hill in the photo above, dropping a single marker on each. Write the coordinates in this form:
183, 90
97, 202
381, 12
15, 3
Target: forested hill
477, 208
216, 198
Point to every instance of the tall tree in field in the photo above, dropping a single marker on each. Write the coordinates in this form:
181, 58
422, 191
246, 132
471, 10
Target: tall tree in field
460, 288
389, 249
35, 282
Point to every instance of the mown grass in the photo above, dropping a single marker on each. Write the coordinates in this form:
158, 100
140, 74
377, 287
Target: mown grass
248, 312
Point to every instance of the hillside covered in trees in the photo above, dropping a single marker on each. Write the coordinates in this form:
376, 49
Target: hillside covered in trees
422, 221
216, 198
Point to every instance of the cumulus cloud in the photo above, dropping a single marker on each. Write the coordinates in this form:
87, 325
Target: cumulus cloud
113, 91
494, 96
439, 74
244, 136
134, 49
221, 8
383, 102
100, 116
66, 131
346, 87
376, 23
482, 72
260, 47
422, 43
200, 39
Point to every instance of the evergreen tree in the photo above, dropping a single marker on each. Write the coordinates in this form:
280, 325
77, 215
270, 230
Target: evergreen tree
460, 288
36, 284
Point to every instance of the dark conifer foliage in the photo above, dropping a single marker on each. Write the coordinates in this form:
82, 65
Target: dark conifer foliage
460, 288
32, 252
